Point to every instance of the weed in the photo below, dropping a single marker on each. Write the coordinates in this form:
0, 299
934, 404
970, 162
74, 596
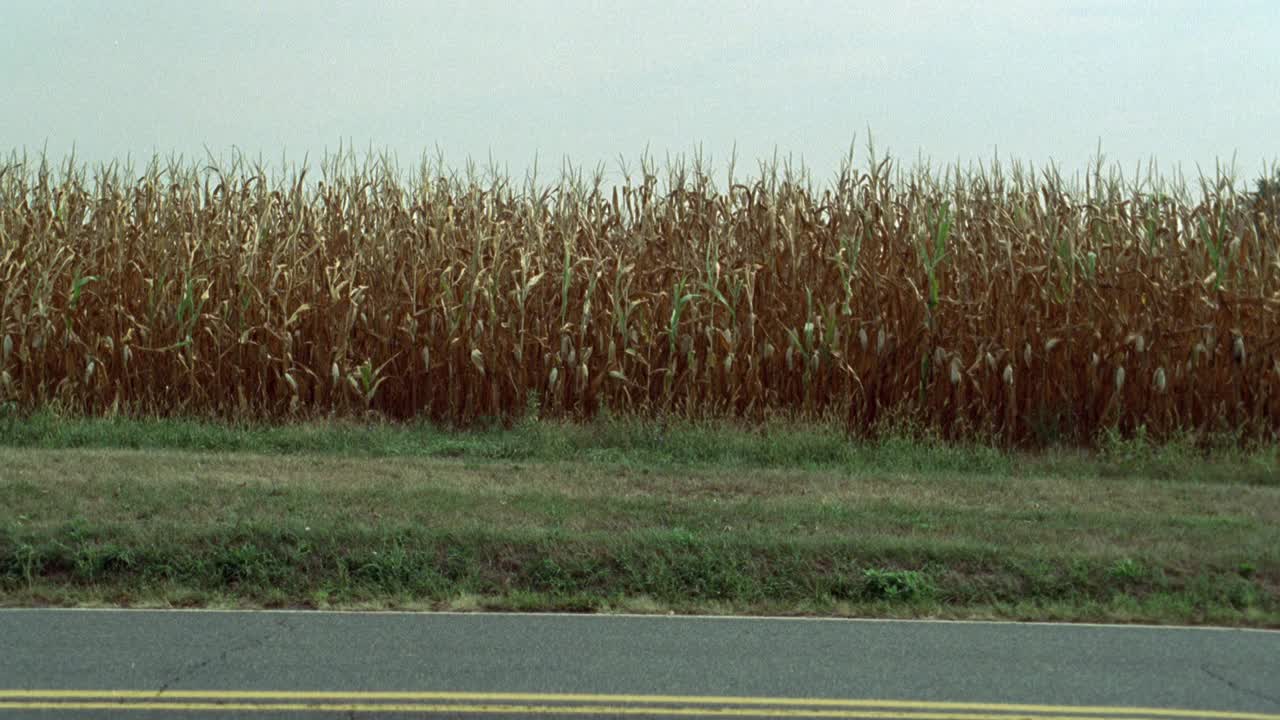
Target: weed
896, 585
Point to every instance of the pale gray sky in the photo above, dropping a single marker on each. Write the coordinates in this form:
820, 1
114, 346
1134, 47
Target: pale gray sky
1184, 82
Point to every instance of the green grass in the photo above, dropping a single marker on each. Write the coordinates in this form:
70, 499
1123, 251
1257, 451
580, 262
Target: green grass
628, 516
643, 443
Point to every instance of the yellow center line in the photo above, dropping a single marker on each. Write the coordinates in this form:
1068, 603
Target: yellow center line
481, 709
373, 701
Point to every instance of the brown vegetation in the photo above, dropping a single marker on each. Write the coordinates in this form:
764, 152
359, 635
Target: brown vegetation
994, 303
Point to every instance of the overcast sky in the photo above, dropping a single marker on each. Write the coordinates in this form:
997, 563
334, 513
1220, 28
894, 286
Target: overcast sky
1183, 82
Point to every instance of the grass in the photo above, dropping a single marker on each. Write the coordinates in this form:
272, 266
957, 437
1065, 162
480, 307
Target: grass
623, 515
634, 442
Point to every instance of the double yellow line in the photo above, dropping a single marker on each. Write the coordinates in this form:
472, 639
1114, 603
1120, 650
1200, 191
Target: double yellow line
494, 703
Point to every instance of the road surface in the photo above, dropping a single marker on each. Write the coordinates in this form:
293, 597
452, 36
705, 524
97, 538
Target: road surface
178, 664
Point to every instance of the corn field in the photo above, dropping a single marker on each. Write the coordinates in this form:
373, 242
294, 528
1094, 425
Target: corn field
990, 303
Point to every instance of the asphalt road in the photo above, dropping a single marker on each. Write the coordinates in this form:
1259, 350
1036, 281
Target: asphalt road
144, 664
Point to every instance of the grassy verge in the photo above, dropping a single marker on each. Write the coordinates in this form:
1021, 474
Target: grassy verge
625, 442
637, 518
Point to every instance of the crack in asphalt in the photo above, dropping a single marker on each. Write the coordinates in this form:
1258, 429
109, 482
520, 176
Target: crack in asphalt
1237, 687
281, 623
